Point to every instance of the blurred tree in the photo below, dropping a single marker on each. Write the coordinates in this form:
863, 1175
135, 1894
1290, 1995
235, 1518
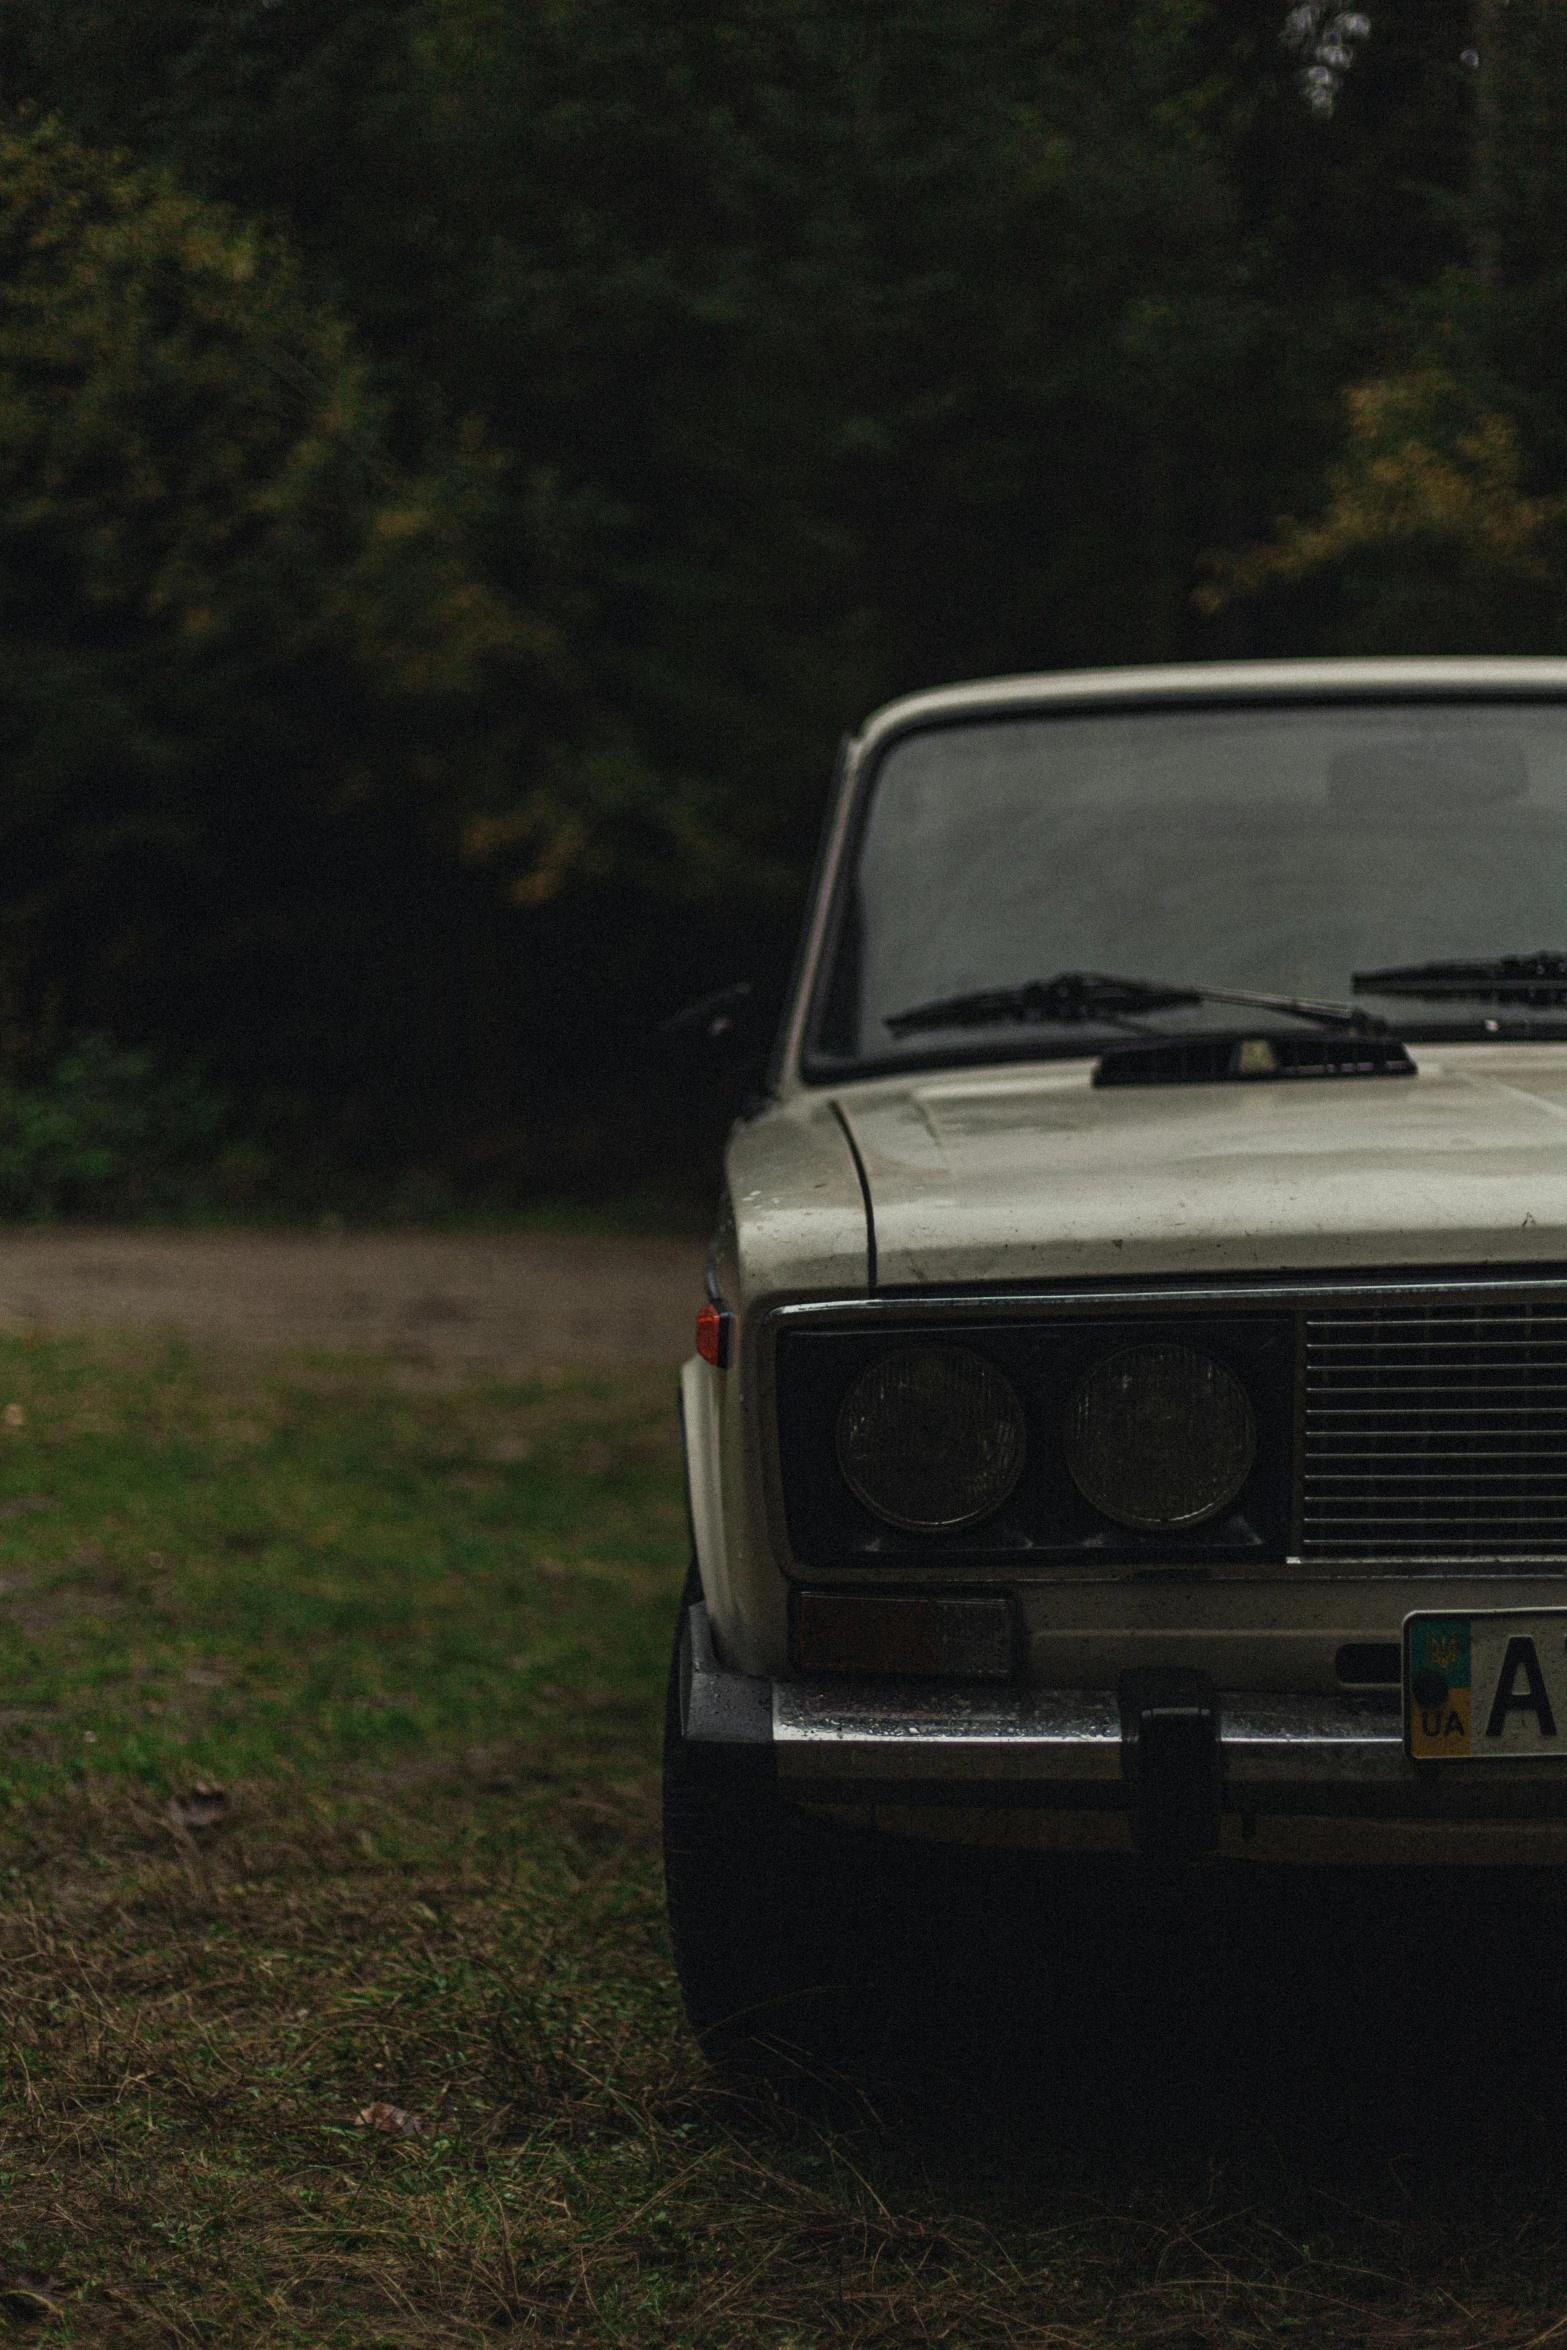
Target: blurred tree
861, 345
251, 687
1428, 536
721, 370
1440, 516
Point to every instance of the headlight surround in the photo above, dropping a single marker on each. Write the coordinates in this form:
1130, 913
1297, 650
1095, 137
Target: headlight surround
1159, 1436
931, 1438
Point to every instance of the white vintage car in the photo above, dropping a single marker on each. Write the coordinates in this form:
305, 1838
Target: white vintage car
1130, 1410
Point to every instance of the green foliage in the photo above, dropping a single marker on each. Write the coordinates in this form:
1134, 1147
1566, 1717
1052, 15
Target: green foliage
1428, 534
1437, 524
462, 465
106, 1132
840, 345
254, 684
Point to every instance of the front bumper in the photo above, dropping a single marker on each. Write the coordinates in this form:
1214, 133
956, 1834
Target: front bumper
942, 1744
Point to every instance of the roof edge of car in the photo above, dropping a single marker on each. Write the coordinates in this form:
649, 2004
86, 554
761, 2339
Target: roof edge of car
1222, 680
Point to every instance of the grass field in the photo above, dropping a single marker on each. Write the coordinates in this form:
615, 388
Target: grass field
415, 1630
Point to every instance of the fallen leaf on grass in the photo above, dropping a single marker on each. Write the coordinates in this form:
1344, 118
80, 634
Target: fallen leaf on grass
392, 2120
14, 1416
203, 1807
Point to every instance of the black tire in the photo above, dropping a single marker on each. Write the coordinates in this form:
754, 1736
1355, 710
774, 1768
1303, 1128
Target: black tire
820, 1955
749, 1884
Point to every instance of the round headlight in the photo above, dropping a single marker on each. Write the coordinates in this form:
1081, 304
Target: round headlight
931, 1438
1159, 1436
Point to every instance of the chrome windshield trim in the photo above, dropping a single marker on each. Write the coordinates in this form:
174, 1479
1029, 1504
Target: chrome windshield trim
1225, 684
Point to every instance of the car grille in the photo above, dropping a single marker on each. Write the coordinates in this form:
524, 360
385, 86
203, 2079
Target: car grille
1436, 1429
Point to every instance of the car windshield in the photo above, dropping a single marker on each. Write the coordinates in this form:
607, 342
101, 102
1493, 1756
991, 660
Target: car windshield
1278, 849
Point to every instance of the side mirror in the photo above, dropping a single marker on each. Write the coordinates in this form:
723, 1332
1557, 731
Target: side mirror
722, 1018
724, 1036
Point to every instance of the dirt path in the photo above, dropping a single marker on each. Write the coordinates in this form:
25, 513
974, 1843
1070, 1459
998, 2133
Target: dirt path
512, 1299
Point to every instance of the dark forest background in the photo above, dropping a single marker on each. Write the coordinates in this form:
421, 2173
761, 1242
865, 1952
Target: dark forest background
464, 464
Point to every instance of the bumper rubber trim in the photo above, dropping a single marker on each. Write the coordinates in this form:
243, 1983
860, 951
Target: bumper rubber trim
718, 1708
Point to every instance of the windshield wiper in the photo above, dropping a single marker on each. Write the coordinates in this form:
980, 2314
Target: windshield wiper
1073, 997
1539, 979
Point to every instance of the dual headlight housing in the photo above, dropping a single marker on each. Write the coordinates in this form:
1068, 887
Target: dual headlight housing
1157, 1437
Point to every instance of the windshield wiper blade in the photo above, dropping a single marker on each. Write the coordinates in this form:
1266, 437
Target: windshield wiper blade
1073, 997
1539, 979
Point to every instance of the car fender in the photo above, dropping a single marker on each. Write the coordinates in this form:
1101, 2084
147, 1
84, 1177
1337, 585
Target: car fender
699, 1437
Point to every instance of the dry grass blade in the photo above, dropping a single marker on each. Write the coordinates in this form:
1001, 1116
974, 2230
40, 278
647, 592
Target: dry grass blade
28, 2303
1536, 2341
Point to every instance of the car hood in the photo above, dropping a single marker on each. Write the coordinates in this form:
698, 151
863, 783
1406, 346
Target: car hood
1028, 1172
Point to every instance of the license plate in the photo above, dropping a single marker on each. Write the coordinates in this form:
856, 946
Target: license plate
1482, 1688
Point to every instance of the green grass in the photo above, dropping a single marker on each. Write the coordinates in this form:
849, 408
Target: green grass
416, 1630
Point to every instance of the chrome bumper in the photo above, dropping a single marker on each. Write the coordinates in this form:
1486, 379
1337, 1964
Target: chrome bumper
913, 1743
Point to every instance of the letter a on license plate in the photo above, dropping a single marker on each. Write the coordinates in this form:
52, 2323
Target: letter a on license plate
1486, 1687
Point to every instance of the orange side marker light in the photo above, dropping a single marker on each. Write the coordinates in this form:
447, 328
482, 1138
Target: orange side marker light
712, 1334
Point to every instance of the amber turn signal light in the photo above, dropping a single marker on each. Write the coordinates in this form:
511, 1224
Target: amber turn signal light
713, 1325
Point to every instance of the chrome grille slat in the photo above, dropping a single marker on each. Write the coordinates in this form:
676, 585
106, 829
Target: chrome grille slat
1439, 1322
1521, 1317
1321, 1476
1412, 1518
1332, 1488
1437, 1428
